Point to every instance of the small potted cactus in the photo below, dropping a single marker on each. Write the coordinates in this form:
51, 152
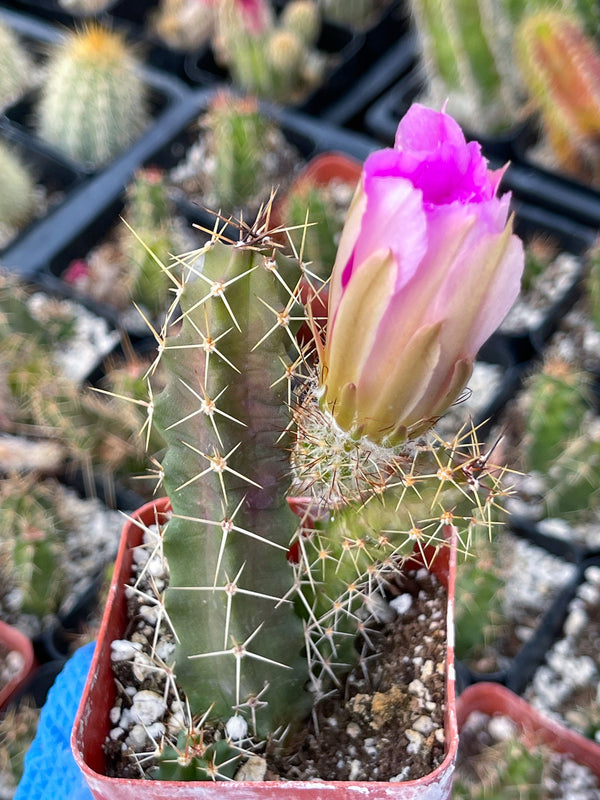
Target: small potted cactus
264, 606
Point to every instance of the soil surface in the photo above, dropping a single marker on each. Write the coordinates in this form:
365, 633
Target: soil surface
385, 723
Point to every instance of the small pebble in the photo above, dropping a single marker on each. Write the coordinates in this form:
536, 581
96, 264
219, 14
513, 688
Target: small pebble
402, 603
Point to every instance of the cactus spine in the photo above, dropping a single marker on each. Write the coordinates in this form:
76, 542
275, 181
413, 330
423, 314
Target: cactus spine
15, 67
561, 69
93, 101
17, 195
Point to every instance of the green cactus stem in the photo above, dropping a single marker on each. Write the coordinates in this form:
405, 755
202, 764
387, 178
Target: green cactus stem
558, 397
16, 67
355, 13
94, 100
223, 416
560, 66
17, 199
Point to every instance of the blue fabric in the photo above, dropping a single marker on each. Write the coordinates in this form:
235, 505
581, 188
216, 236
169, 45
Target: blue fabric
50, 769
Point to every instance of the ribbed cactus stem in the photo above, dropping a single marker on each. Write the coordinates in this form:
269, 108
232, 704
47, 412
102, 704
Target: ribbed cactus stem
464, 45
561, 69
223, 416
17, 199
15, 67
93, 101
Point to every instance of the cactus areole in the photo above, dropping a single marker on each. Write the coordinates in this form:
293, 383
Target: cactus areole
265, 605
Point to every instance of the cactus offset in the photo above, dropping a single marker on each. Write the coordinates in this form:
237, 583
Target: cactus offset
93, 101
15, 67
561, 69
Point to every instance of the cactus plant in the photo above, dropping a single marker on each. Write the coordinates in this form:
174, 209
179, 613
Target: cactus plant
183, 24
560, 66
249, 419
558, 396
17, 729
15, 67
240, 155
94, 100
17, 198
272, 59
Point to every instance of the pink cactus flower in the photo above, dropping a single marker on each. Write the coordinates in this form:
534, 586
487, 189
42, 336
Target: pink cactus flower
77, 271
426, 270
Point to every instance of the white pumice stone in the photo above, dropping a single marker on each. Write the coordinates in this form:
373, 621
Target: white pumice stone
137, 736
122, 650
143, 666
115, 714
149, 613
115, 734
575, 622
415, 741
423, 725
402, 603
592, 575
252, 770
236, 728
148, 706
589, 594
355, 767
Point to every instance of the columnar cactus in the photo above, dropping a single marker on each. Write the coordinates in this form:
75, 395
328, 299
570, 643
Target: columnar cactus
560, 66
271, 59
262, 606
94, 100
17, 200
149, 236
558, 397
15, 67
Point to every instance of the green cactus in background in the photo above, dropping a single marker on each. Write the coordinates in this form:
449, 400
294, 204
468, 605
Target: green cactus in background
147, 212
30, 538
237, 136
94, 101
560, 65
324, 208
281, 599
272, 59
464, 46
17, 189
15, 67
575, 476
558, 397
42, 400
478, 602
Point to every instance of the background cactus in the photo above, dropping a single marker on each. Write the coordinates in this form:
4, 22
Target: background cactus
183, 24
93, 102
17, 729
558, 397
30, 538
271, 59
148, 213
17, 198
16, 67
240, 155
560, 66
593, 285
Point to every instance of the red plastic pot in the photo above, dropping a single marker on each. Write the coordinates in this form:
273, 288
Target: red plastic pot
16, 642
535, 728
92, 721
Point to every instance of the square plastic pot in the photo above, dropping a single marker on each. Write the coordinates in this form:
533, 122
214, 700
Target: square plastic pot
92, 721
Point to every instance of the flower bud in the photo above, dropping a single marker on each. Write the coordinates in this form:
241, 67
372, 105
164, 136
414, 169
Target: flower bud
427, 268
